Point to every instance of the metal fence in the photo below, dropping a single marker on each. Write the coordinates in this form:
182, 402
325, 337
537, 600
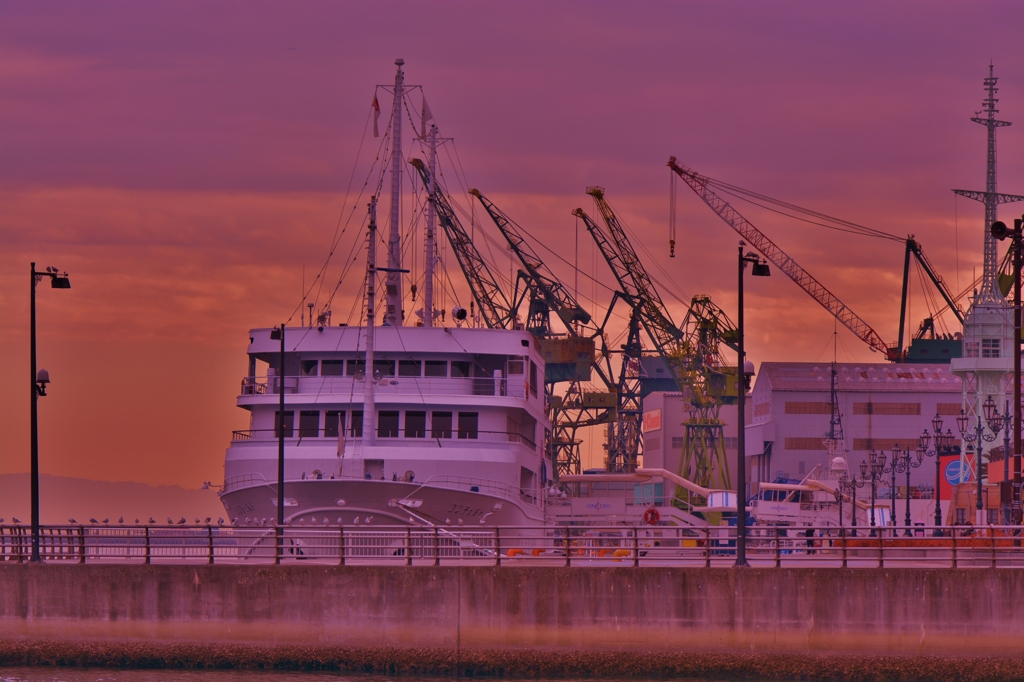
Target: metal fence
766, 546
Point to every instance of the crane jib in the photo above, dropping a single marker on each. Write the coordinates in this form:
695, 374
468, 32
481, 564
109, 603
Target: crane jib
700, 185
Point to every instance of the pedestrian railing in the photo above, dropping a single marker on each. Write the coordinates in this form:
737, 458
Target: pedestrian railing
715, 546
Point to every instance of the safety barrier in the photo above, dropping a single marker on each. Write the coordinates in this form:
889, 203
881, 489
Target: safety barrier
766, 546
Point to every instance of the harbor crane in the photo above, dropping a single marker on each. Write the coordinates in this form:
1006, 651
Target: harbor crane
494, 306
690, 352
861, 329
569, 356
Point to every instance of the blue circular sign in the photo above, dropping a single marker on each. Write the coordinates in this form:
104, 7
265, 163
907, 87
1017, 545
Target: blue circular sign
952, 473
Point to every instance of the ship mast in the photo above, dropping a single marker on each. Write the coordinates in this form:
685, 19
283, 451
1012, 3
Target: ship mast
431, 248
371, 293
393, 282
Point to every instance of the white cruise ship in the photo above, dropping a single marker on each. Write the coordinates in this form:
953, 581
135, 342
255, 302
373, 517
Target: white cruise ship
457, 435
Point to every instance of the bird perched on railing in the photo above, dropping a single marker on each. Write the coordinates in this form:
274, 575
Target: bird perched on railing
136, 522
1, 519
93, 521
169, 521
120, 520
15, 519
106, 520
69, 521
220, 521
207, 521
152, 520
182, 522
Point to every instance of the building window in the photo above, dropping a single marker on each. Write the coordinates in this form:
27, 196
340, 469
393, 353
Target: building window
993, 517
732, 442
515, 365
332, 368
990, 348
409, 368
309, 424
961, 516
460, 369
436, 368
355, 367
309, 368
387, 423
287, 424
441, 424
677, 441
469, 424
334, 422
533, 379
385, 368
415, 424
970, 349
356, 428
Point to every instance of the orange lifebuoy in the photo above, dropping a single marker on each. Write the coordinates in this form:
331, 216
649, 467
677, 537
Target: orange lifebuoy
651, 516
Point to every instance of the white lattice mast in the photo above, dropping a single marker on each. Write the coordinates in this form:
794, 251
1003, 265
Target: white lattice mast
990, 283
393, 282
988, 340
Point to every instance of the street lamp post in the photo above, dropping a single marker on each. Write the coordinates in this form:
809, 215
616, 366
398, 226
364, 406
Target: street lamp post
909, 463
875, 469
39, 380
760, 269
1000, 231
853, 484
895, 467
943, 446
977, 437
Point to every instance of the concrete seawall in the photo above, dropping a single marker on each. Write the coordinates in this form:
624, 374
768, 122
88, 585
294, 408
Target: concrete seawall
649, 611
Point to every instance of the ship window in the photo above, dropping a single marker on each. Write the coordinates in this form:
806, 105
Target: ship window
990, 348
441, 424
334, 421
309, 368
533, 379
469, 423
386, 368
356, 428
355, 367
409, 368
515, 366
387, 424
460, 369
287, 424
436, 368
309, 424
332, 368
415, 424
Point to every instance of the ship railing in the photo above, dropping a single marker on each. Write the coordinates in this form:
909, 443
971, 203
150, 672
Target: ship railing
441, 438
244, 481
389, 385
583, 545
485, 486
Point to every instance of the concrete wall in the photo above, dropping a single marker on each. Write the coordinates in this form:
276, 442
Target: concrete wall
900, 611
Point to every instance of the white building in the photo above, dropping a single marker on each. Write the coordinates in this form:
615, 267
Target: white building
881, 405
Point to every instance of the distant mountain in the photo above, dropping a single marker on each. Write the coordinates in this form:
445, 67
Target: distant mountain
62, 497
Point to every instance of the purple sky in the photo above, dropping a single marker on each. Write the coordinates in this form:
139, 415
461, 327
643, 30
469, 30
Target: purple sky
184, 161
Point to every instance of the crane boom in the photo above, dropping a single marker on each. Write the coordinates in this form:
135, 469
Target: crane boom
494, 306
849, 319
661, 328
545, 285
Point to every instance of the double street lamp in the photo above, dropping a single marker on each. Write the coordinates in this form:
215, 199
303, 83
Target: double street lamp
40, 378
943, 446
977, 436
849, 484
906, 462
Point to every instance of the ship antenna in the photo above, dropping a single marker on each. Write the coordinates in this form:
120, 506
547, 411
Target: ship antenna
371, 293
393, 282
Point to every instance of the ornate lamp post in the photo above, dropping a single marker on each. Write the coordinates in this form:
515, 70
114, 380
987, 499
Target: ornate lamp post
943, 446
893, 468
977, 437
875, 470
907, 463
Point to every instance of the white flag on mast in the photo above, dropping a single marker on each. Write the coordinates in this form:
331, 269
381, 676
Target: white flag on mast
425, 116
376, 115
